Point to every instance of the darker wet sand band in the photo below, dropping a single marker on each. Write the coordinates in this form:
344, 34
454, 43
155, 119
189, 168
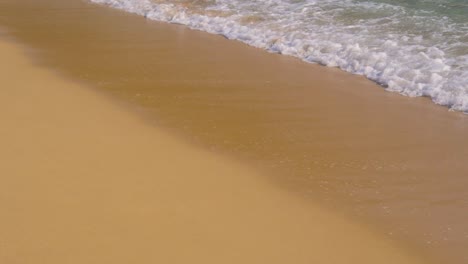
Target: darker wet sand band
395, 163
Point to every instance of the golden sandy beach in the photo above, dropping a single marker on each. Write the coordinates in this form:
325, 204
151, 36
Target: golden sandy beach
84, 181
179, 145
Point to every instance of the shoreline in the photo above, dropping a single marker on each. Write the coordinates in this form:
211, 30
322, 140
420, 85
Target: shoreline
330, 137
83, 180
355, 62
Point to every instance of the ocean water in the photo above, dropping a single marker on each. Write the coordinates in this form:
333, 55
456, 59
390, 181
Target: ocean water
413, 47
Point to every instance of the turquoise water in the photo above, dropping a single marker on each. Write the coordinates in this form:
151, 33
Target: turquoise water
413, 47
454, 9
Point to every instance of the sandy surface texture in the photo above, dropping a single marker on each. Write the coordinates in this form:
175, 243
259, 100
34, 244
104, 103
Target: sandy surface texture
395, 164
83, 181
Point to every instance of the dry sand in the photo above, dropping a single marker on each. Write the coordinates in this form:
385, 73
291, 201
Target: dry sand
82, 180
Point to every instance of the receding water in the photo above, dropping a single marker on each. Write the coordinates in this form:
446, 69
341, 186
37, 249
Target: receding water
414, 47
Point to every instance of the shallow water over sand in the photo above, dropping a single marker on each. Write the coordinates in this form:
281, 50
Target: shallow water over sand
415, 48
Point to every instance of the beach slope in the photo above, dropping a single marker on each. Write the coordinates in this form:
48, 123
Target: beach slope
83, 180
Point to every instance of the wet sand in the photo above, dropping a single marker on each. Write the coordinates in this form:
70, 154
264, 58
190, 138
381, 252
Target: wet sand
396, 164
85, 181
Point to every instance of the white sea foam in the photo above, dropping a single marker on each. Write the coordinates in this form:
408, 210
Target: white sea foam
416, 52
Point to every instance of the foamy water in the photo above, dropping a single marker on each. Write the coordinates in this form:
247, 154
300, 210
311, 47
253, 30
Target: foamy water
416, 48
